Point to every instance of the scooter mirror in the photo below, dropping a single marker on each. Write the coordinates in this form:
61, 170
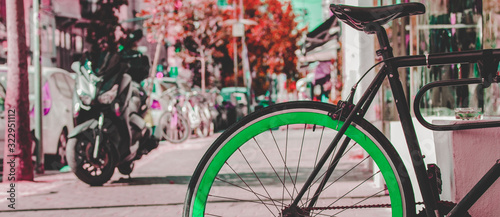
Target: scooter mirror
135, 35
142, 49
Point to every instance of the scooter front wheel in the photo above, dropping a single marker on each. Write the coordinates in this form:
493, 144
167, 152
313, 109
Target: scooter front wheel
93, 171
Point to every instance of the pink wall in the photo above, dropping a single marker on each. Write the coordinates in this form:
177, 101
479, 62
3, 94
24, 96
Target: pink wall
474, 153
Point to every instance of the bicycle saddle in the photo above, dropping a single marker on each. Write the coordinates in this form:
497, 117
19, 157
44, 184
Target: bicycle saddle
362, 18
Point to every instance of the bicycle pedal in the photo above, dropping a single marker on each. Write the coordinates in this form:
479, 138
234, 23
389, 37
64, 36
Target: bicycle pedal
434, 175
444, 208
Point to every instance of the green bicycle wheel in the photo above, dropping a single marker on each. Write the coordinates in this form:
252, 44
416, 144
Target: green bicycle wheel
258, 166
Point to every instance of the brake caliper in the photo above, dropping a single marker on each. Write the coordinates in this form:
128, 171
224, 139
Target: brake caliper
344, 108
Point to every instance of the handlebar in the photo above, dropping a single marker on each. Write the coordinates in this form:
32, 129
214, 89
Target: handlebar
488, 61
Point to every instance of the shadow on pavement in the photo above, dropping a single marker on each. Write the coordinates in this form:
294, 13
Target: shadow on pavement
173, 180
267, 178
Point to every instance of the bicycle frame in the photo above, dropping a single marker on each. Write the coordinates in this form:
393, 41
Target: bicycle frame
487, 58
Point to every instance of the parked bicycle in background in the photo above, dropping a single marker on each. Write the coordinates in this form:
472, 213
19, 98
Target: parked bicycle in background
182, 112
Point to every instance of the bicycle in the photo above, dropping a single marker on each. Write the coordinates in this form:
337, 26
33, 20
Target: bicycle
284, 159
200, 106
174, 127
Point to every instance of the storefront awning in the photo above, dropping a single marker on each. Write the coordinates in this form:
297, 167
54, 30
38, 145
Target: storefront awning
321, 43
326, 52
67, 8
324, 33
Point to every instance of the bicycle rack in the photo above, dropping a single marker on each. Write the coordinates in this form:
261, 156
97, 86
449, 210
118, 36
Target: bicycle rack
457, 126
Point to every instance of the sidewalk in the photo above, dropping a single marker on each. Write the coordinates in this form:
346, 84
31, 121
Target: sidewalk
153, 190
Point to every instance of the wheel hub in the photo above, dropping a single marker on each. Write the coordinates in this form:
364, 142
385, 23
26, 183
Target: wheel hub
100, 161
294, 211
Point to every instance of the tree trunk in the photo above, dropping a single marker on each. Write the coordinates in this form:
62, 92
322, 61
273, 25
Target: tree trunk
152, 73
17, 153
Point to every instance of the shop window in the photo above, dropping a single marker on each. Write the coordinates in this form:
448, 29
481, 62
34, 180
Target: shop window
62, 40
57, 35
450, 26
68, 41
88, 8
78, 43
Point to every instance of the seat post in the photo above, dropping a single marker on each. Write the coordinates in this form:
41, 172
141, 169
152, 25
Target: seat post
383, 40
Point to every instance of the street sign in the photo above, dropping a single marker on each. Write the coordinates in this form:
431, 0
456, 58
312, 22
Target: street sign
238, 29
239, 26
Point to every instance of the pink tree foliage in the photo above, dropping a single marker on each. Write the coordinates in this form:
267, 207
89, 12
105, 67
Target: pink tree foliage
196, 22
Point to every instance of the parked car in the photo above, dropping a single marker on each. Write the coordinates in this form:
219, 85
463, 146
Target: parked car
57, 89
232, 105
238, 97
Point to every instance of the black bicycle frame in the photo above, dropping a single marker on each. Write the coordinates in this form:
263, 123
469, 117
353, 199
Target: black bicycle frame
487, 58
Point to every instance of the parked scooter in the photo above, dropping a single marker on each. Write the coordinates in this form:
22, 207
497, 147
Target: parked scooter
109, 108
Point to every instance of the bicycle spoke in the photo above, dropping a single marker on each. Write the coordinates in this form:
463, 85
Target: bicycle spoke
212, 215
248, 190
284, 168
343, 175
284, 162
316, 158
373, 195
357, 186
226, 199
256, 176
300, 152
272, 167
331, 164
349, 171
232, 199
247, 184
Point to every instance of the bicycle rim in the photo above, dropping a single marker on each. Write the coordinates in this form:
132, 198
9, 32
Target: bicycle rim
174, 129
261, 164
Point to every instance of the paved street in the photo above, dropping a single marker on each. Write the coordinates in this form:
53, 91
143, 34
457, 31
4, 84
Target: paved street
157, 188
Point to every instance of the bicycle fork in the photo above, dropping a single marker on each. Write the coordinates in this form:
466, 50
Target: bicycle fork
98, 137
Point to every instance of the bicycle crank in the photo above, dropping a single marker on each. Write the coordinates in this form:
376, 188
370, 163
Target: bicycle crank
444, 208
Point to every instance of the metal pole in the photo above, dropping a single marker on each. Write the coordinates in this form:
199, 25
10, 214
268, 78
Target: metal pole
152, 72
243, 45
38, 87
244, 59
235, 49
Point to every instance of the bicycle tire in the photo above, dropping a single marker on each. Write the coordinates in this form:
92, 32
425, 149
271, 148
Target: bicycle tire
210, 179
178, 135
